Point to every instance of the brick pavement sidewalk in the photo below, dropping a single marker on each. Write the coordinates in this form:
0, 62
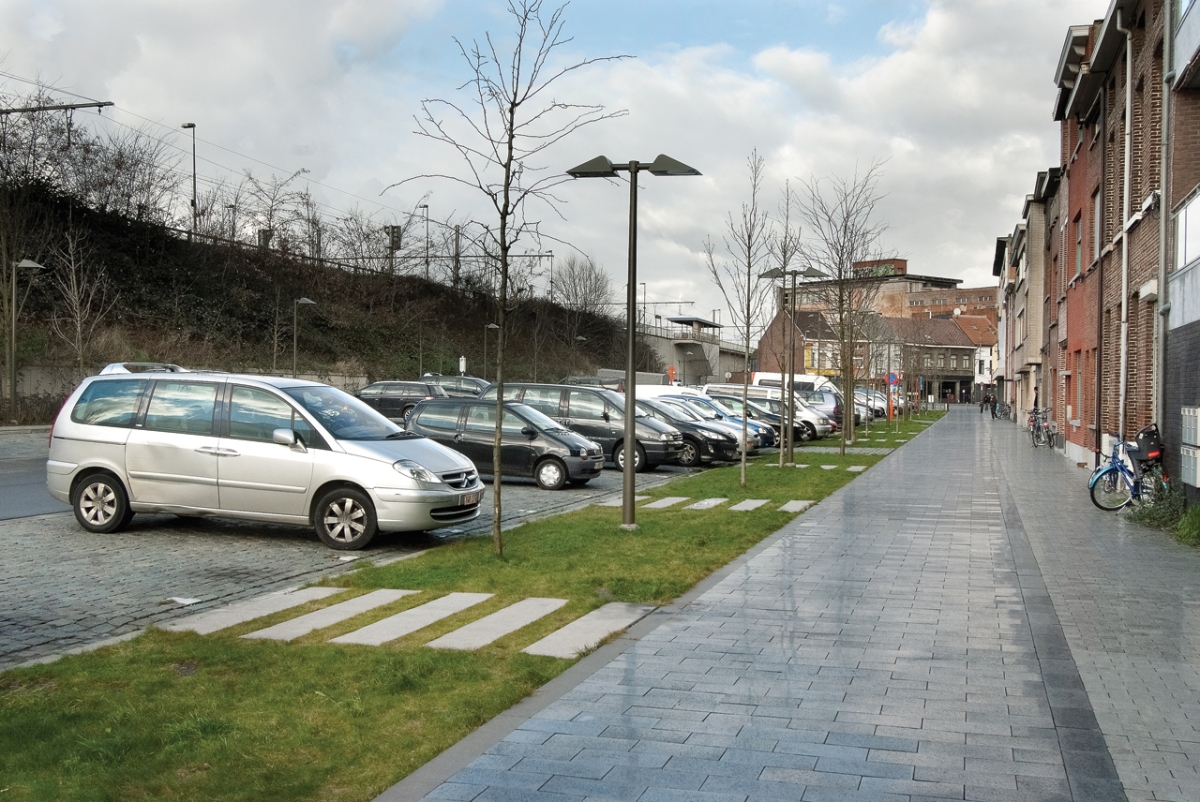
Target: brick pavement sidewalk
961, 623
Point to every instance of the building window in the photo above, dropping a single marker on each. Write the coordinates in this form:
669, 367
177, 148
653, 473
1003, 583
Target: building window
1097, 235
916, 303
1187, 233
941, 360
1078, 245
928, 361
984, 298
980, 371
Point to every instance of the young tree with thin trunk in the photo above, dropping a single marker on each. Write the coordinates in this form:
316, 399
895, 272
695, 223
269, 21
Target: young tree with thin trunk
839, 214
505, 122
86, 295
738, 275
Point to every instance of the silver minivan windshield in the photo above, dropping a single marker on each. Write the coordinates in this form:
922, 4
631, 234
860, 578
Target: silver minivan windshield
343, 415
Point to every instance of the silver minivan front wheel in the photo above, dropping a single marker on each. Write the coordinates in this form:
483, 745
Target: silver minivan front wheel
345, 519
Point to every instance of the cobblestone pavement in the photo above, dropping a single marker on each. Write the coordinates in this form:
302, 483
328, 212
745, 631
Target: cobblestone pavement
62, 588
960, 623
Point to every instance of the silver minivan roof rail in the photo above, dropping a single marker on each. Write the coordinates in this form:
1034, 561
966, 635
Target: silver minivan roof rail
141, 367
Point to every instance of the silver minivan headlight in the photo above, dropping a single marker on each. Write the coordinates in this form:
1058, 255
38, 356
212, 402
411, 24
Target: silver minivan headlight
415, 471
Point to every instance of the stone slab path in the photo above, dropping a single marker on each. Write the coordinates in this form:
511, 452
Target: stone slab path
212, 621
749, 504
963, 626
663, 503
491, 628
584, 633
409, 621
328, 616
706, 504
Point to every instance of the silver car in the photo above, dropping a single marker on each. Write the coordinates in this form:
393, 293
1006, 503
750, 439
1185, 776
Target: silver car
251, 447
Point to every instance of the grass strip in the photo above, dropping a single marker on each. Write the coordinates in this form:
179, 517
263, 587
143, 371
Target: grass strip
176, 716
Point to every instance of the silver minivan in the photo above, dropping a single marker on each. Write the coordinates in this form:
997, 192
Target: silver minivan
260, 448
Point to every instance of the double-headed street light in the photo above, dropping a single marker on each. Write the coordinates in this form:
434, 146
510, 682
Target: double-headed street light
195, 208
27, 264
295, 331
789, 427
601, 167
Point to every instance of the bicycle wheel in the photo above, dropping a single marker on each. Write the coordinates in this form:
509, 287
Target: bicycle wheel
1043, 436
1154, 488
1110, 492
1033, 435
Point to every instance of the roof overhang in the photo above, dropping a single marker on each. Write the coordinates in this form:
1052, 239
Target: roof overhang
1071, 62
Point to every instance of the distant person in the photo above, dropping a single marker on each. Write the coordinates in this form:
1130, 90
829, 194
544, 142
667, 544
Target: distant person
982, 403
995, 403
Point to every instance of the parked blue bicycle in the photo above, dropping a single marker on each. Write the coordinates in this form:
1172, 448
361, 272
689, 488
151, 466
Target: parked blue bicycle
1114, 484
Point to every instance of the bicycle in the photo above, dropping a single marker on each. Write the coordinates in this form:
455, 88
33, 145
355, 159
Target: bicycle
1114, 485
1039, 427
1003, 411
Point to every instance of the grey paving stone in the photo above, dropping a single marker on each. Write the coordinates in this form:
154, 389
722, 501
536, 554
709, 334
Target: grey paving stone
663, 503
225, 617
903, 639
706, 504
328, 616
411, 620
749, 504
490, 628
584, 633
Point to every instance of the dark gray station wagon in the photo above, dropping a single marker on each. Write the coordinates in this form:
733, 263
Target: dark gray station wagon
531, 444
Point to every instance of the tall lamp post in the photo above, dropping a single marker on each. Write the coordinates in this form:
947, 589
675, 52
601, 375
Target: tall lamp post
493, 327
425, 206
195, 210
601, 167
12, 335
295, 331
790, 423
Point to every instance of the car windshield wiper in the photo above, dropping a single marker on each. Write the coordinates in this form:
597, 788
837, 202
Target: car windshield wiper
401, 435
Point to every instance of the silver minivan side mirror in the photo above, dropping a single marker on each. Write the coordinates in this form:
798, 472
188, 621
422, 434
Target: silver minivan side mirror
284, 437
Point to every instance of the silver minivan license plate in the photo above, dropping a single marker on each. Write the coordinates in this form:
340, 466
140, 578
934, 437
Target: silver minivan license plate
471, 498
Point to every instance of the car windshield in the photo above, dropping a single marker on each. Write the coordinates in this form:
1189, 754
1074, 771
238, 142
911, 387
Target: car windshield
760, 408
537, 419
678, 411
718, 406
618, 401
343, 415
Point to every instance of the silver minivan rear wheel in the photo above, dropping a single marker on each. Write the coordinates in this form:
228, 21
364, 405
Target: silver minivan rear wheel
345, 519
101, 504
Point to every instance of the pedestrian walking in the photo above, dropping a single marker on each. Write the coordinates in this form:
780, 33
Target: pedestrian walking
982, 403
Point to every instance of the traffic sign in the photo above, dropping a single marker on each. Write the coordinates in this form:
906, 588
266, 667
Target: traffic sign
891, 378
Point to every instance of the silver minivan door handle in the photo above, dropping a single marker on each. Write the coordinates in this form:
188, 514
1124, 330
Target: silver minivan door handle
227, 452
209, 450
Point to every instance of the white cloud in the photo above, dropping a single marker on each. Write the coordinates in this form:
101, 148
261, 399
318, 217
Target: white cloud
958, 105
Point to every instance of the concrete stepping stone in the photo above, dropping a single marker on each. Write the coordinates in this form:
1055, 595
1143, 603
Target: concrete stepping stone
663, 503
214, 620
490, 628
409, 621
749, 504
616, 502
319, 619
828, 467
706, 504
795, 506
805, 465
584, 633
857, 468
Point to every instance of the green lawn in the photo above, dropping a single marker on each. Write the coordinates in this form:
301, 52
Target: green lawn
177, 716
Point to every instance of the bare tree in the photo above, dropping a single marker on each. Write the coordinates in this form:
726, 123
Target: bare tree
86, 293
786, 248
274, 207
843, 233
506, 120
739, 278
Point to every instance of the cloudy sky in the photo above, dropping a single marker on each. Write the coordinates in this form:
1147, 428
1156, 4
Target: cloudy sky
954, 96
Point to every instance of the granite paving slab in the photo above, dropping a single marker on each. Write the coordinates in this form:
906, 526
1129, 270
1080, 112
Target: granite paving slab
706, 504
616, 502
584, 633
490, 628
328, 616
409, 621
216, 620
663, 503
796, 506
749, 504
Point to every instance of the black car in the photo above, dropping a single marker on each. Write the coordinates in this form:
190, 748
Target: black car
458, 386
396, 399
530, 443
599, 414
700, 441
760, 414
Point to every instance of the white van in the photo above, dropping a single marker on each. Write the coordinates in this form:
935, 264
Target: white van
803, 381
262, 448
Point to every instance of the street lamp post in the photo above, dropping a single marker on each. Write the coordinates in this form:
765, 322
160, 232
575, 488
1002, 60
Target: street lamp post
493, 327
601, 167
425, 206
12, 335
195, 210
295, 331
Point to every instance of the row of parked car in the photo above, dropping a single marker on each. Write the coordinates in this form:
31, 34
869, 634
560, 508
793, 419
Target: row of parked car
402, 456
